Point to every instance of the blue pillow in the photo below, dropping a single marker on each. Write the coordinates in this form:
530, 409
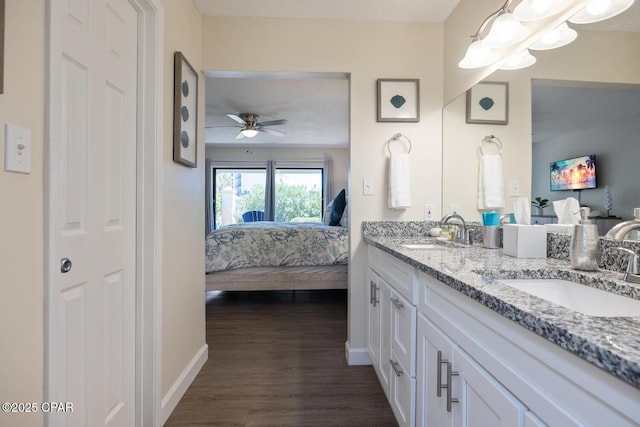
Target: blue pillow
337, 209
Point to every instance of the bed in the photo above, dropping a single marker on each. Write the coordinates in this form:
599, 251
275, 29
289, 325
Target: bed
267, 255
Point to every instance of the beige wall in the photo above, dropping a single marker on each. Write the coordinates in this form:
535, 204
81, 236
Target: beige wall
183, 322
340, 157
367, 51
21, 215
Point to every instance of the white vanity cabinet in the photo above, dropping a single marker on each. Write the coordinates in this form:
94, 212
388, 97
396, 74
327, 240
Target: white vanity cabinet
392, 317
453, 390
454, 362
507, 375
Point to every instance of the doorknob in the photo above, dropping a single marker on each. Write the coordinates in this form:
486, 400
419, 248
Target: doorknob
65, 265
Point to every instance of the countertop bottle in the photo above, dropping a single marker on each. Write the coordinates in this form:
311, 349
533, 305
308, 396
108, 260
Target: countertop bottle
584, 252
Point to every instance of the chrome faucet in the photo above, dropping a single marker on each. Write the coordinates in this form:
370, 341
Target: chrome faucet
618, 232
463, 236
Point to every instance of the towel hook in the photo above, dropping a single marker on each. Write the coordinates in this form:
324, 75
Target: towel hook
396, 137
491, 139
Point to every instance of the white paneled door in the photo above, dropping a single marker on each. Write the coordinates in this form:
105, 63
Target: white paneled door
91, 321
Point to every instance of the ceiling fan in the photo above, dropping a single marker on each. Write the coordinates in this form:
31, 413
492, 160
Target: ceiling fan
251, 126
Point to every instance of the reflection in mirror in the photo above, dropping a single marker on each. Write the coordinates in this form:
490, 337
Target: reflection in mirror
611, 57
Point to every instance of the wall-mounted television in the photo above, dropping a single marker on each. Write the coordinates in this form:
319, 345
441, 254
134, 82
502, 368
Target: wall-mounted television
577, 173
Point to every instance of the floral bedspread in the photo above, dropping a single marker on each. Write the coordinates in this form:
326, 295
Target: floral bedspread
276, 244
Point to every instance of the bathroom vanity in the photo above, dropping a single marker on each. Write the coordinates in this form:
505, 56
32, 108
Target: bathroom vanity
453, 345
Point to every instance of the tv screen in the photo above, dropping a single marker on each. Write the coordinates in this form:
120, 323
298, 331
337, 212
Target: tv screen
574, 174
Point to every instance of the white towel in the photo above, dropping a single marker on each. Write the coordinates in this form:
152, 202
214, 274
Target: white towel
490, 182
399, 181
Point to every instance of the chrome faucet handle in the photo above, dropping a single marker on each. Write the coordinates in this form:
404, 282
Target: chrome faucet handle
632, 262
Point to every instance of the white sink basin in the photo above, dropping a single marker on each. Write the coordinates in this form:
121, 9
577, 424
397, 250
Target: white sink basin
577, 297
421, 246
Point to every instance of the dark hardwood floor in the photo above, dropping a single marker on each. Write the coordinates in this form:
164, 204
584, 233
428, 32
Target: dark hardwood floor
277, 359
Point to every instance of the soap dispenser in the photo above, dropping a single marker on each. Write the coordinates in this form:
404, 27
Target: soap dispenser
584, 251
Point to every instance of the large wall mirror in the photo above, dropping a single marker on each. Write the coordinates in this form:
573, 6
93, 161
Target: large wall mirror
578, 100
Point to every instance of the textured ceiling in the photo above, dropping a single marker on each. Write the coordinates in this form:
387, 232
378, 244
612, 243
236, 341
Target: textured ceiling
315, 105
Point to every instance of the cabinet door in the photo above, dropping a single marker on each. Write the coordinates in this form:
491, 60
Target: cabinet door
403, 331
384, 305
483, 401
403, 393
431, 409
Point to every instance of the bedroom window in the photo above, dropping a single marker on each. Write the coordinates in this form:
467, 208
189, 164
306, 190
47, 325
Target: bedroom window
238, 191
298, 194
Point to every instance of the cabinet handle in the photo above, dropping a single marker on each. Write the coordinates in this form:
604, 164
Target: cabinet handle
371, 296
396, 367
373, 293
447, 385
450, 399
397, 302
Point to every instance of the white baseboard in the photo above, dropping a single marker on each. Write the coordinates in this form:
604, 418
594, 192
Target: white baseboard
178, 389
356, 356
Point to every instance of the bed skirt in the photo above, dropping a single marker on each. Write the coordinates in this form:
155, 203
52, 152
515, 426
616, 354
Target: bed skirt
279, 278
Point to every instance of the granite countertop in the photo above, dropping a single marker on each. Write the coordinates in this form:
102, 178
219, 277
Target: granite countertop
610, 343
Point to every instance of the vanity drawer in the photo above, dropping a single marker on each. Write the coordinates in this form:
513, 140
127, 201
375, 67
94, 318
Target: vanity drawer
400, 275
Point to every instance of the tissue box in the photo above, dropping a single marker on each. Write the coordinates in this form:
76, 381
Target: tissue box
524, 241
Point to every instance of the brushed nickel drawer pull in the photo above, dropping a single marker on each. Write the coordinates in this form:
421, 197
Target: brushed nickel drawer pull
397, 302
396, 367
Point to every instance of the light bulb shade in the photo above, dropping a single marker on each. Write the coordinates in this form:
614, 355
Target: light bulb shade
520, 60
534, 10
477, 56
249, 133
599, 10
560, 36
505, 31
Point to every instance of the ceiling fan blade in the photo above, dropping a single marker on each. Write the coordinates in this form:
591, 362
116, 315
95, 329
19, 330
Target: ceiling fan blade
272, 122
240, 135
272, 132
230, 126
237, 118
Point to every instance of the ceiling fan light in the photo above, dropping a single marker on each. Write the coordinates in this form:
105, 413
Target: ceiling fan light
599, 10
560, 36
249, 133
534, 10
477, 56
505, 31
520, 60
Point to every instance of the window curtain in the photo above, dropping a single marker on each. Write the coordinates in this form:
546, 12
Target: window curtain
270, 192
327, 179
209, 222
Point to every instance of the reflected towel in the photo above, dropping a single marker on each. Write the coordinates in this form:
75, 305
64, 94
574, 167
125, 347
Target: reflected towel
399, 181
490, 182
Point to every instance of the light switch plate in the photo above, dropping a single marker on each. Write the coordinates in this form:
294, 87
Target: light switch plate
514, 188
367, 187
17, 149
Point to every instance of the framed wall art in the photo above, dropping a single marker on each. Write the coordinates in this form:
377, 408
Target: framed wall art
398, 100
488, 103
185, 112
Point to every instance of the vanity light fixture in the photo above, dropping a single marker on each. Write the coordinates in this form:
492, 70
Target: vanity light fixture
477, 56
505, 31
599, 10
560, 36
534, 10
520, 60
